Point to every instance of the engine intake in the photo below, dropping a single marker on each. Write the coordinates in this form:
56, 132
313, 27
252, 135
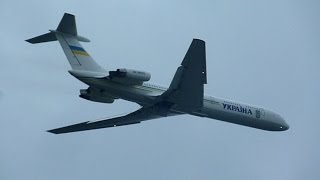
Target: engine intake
129, 76
95, 95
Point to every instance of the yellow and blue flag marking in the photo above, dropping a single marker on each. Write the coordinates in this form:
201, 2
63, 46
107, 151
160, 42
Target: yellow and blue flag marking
78, 51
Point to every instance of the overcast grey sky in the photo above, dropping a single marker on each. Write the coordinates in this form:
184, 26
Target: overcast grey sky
259, 52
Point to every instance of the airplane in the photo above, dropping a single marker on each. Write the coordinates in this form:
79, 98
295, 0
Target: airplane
185, 94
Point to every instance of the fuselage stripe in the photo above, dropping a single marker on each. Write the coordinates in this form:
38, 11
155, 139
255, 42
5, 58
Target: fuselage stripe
78, 51
76, 48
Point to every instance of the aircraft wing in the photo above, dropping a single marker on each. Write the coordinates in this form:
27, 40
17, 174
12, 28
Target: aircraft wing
187, 86
136, 117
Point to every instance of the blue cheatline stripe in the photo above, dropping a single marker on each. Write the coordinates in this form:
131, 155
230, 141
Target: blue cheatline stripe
77, 48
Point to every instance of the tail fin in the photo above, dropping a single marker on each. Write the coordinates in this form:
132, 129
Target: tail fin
67, 35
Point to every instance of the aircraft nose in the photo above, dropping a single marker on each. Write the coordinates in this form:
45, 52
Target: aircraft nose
283, 124
285, 127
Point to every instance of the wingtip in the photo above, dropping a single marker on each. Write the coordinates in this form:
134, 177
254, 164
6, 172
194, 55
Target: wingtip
196, 39
68, 14
28, 40
52, 131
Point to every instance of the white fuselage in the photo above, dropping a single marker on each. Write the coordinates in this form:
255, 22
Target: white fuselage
214, 108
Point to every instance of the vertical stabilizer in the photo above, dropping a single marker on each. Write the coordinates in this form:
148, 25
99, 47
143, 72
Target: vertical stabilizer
67, 25
67, 35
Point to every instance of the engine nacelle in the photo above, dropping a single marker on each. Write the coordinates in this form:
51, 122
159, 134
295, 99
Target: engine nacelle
95, 95
129, 76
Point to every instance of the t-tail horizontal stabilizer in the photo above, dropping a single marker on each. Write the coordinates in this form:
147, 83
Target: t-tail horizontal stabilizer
43, 38
66, 26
